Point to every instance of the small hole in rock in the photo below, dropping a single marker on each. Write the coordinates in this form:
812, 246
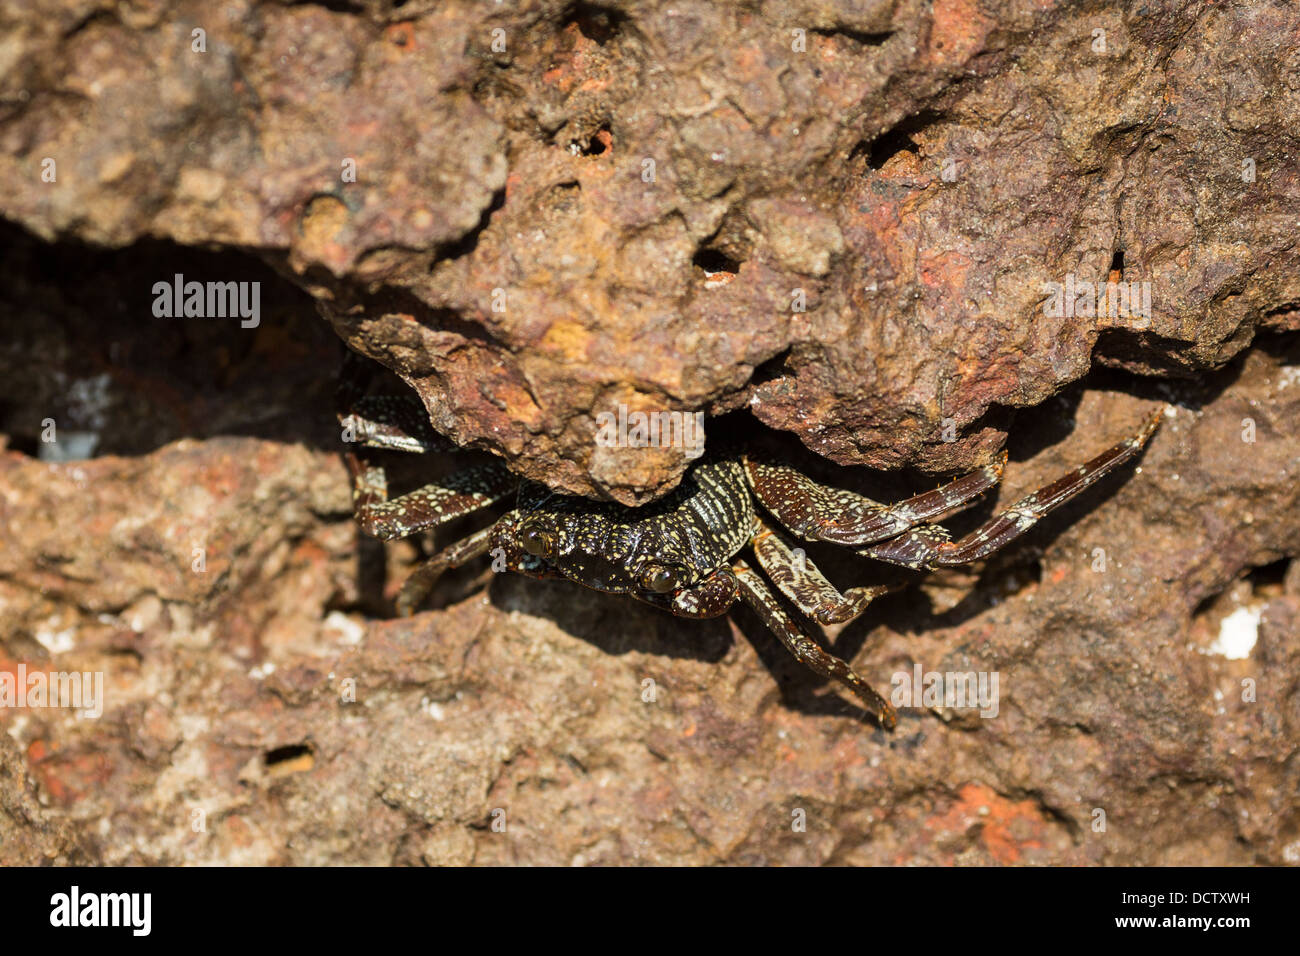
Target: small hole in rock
1117, 266
563, 197
596, 23
598, 145
294, 758
1267, 579
860, 37
718, 267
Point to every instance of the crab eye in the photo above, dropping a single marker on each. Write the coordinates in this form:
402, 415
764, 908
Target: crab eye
661, 580
536, 542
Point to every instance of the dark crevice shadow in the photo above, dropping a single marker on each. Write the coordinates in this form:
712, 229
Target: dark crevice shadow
862, 38
82, 346
1281, 344
1266, 582
393, 299
372, 577
1138, 349
465, 245
771, 369
1031, 434
1038, 428
900, 138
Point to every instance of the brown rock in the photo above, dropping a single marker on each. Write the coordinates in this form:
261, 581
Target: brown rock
548, 199
630, 204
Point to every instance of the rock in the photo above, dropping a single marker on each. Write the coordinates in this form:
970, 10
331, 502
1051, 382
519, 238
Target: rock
853, 220
846, 217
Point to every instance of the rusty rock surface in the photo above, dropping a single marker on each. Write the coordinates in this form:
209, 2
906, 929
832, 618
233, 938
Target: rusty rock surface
624, 205
256, 711
839, 214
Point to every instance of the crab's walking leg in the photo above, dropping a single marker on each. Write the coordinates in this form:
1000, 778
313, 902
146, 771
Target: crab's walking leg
757, 595
817, 513
399, 423
929, 547
460, 493
807, 588
392, 422
421, 581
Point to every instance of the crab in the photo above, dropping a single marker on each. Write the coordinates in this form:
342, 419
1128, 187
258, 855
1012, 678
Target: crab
683, 553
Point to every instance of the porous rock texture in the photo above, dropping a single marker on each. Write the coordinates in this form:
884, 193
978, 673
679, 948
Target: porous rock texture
530, 209
841, 217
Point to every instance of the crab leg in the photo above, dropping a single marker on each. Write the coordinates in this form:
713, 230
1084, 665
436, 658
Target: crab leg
421, 581
930, 547
399, 423
757, 595
817, 513
392, 422
459, 494
806, 587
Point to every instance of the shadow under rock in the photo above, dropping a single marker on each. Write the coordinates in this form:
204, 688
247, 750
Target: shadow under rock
80, 344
